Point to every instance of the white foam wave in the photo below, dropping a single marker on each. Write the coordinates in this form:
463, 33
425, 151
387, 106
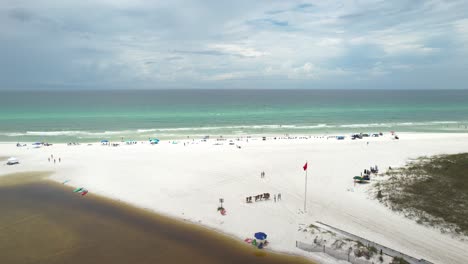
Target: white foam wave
236, 129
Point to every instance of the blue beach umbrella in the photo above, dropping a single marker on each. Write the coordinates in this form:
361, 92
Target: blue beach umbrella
260, 236
154, 140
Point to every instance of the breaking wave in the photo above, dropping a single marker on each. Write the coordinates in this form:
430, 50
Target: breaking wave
225, 129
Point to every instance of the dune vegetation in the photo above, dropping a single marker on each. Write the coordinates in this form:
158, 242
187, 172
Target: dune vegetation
431, 190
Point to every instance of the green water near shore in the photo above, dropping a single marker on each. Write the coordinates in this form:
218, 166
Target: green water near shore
43, 222
84, 116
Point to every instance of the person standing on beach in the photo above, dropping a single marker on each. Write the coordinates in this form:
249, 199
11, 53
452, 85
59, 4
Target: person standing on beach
279, 197
48, 159
54, 161
274, 197
60, 160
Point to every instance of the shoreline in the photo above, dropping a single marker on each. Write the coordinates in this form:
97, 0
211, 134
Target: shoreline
235, 131
151, 177
244, 137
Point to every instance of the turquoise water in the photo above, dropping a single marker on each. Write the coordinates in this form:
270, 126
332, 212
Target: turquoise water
93, 115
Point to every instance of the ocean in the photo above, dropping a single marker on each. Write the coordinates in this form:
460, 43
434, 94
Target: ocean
88, 116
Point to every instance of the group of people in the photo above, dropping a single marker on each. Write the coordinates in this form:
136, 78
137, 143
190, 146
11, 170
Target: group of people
262, 174
264, 196
374, 170
368, 172
51, 158
277, 197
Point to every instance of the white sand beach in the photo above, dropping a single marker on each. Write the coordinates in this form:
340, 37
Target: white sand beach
186, 182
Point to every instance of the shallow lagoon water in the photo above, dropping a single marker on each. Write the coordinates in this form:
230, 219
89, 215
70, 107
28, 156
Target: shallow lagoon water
43, 222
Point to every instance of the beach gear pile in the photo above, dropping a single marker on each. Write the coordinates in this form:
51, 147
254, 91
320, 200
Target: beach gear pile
259, 241
81, 191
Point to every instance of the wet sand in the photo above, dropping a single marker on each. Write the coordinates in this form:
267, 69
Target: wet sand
44, 222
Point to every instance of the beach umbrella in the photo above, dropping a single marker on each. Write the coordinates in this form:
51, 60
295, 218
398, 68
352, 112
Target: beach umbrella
260, 236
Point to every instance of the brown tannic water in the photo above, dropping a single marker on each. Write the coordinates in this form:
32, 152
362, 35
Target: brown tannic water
42, 222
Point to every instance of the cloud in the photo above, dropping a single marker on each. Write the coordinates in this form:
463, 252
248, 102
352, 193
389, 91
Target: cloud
235, 49
223, 44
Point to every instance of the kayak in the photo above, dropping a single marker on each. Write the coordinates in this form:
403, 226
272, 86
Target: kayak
78, 189
84, 192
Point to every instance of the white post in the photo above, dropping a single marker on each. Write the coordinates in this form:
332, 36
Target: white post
305, 191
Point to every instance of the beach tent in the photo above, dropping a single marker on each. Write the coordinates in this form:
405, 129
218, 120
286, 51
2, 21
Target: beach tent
104, 141
154, 140
260, 236
12, 161
357, 178
79, 189
361, 179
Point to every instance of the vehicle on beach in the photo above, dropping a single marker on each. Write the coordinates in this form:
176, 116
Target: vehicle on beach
12, 161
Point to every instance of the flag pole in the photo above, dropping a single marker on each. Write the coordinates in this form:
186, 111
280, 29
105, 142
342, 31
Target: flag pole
305, 190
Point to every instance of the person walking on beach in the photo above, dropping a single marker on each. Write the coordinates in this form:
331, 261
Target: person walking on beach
279, 197
274, 197
48, 159
54, 161
60, 160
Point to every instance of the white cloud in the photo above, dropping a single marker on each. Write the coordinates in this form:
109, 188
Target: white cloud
222, 41
461, 29
236, 49
394, 43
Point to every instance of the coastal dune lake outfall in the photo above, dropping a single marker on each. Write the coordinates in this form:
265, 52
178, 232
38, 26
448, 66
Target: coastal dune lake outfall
44, 222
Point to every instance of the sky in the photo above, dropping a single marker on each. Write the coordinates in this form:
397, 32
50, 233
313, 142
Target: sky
242, 44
